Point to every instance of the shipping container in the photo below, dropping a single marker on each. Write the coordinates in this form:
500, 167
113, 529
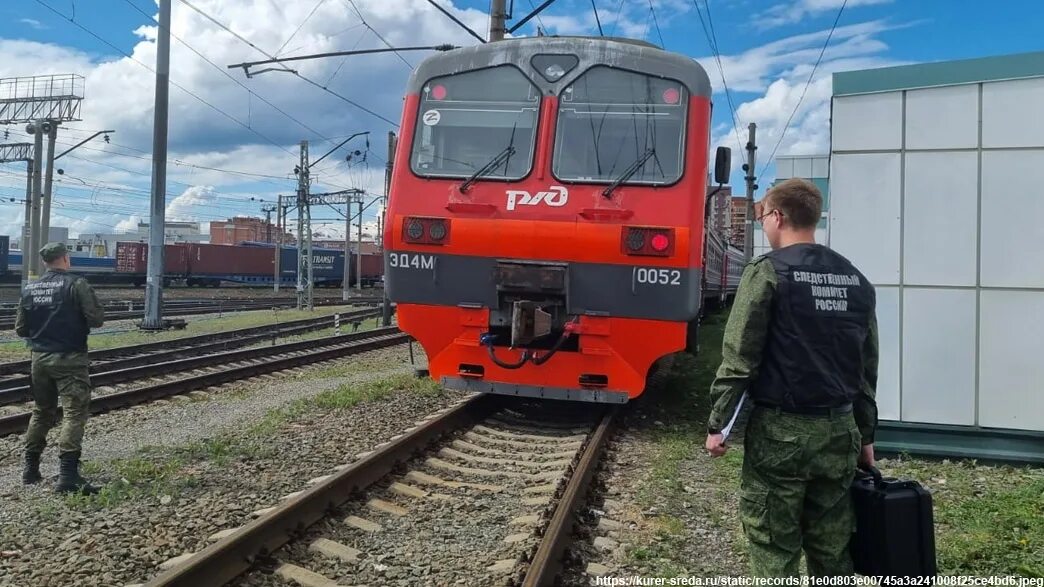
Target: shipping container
133, 258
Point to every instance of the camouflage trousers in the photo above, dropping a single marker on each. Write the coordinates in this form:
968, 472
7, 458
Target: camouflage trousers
797, 471
64, 377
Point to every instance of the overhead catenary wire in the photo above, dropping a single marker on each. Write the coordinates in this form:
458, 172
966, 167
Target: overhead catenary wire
295, 73
172, 82
300, 26
226, 74
598, 20
712, 41
652, 10
804, 90
358, 13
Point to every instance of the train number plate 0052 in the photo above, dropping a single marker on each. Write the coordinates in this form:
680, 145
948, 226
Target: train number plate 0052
656, 276
411, 261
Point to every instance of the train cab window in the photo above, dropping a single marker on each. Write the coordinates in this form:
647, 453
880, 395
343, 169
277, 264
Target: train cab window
467, 119
611, 120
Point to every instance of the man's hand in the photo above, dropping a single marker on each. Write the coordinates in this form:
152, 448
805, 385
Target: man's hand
866, 455
716, 445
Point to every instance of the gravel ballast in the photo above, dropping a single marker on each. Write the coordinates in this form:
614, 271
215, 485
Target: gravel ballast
210, 463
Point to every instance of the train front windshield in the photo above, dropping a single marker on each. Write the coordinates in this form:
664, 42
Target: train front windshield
465, 120
610, 120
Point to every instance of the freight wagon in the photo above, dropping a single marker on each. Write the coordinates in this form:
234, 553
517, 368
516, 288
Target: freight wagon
210, 265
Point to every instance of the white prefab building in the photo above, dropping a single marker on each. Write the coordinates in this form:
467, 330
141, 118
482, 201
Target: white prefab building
815, 168
936, 176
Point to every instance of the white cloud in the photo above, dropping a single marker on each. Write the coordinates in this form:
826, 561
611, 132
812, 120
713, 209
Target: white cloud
33, 23
186, 207
797, 10
778, 73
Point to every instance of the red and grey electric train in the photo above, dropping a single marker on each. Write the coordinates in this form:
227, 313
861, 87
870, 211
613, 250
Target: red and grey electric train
546, 215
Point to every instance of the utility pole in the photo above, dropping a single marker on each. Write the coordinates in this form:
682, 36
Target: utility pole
268, 222
346, 282
154, 277
304, 243
358, 250
45, 214
388, 170
27, 228
497, 19
31, 258
278, 274
748, 167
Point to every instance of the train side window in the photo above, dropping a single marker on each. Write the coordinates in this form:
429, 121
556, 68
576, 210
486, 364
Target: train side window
611, 119
465, 119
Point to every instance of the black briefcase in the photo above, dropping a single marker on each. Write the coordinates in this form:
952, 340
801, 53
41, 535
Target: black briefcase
895, 534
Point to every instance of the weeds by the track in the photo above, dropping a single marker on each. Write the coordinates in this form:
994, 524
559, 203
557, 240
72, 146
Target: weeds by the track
989, 519
14, 351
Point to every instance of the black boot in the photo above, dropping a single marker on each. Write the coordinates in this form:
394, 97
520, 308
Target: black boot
69, 480
31, 472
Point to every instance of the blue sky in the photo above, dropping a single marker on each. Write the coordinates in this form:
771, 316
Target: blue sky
767, 48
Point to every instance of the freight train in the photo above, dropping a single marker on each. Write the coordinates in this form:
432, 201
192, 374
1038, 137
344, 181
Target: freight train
546, 223
208, 265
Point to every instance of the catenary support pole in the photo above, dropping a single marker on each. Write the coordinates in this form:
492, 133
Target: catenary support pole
752, 148
157, 211
31, 257
45, 212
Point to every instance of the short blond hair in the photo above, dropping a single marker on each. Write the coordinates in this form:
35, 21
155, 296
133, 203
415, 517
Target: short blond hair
798, 199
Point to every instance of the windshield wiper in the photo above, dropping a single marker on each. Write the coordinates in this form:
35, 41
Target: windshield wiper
488, 167
495, 162
638, 164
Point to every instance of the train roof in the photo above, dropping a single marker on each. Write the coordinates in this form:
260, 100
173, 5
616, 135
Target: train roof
628, 54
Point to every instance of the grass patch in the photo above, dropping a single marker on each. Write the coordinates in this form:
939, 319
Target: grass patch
350, 395
989, 520
135, 478
17, 350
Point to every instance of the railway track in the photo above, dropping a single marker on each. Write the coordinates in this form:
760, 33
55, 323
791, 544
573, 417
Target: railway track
132, 310
137, 354
425, 488
194, 373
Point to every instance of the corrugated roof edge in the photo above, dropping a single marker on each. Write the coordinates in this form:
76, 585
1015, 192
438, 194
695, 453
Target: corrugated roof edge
942, 73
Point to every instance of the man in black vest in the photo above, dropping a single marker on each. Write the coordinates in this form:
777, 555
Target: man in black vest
56, 314
802, 342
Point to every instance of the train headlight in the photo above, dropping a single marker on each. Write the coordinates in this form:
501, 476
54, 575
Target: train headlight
636, 240
415, 230
437, 230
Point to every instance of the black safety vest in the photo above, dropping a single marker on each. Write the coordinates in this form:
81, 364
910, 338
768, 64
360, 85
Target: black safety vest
56, 323
821, 311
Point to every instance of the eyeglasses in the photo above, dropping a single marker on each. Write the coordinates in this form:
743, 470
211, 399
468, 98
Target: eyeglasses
761, 218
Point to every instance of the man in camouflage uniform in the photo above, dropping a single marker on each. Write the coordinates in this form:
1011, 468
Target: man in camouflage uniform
56, 314
801, 340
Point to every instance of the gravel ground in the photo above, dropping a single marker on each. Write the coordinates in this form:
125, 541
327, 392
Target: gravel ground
453, 536
207, 466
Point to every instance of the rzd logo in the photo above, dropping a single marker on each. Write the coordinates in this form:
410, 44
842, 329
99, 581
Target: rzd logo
556, 197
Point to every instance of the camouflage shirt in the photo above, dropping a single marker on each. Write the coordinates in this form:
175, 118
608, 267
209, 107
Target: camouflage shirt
744, 342
84, 298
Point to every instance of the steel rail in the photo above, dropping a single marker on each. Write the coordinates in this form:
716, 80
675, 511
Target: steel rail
223, 561
546, 562
348, 345
195, 345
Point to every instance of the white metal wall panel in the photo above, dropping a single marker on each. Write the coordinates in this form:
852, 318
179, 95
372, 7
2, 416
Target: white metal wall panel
942, 118
873, 121
1011, 371
939, 356
1010, 113
864, 218
820, 167
940, 218
803, 167
888, 344
784, 168
1013, 218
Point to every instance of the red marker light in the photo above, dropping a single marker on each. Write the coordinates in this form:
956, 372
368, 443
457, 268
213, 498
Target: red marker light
671, 96
438, 92
660, 242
